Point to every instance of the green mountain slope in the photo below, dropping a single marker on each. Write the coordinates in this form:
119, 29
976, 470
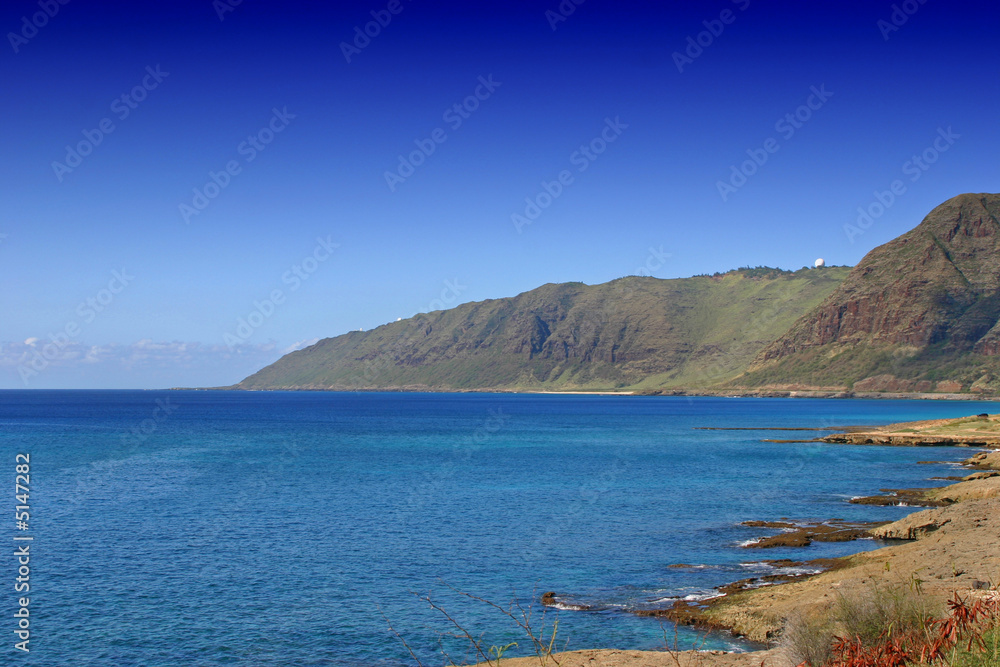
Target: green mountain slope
633, 332
920, 310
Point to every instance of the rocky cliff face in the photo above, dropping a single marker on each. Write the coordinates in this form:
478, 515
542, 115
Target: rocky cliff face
632, 332
937, 287
920, 313
940, 282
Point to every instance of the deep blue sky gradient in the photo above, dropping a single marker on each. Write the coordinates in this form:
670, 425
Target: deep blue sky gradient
324, 175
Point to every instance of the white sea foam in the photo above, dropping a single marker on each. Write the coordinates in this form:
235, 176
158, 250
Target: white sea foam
797, 571
698, 597
771, 569
756, 565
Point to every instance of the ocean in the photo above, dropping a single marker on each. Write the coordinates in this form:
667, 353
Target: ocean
292, 528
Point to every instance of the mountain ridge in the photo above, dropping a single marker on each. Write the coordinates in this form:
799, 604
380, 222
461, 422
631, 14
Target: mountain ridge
920, 313
923, 307
631, 332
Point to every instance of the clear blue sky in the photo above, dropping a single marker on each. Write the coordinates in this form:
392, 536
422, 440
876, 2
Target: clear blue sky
200, 91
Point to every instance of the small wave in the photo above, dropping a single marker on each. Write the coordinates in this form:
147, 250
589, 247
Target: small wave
698, 597
669, 598
690, 597
747, 543
568, 607
771, 569
733, 647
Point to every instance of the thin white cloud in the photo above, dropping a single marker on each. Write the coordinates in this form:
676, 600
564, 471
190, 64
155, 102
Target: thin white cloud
38, 362
145, 350
301, 345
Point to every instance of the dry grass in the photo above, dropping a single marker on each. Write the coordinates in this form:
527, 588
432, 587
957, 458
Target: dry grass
884, 609
809, 639
898, 626
899, 609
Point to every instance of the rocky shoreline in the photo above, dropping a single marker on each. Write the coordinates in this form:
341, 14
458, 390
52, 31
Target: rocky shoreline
954, 546
767, 392
976, 431
822, 393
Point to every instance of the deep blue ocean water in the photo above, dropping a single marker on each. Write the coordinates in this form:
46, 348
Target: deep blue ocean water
214, 528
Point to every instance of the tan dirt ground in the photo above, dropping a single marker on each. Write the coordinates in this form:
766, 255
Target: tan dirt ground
615, 658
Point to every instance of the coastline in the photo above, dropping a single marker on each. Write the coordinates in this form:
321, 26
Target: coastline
652, 393
954, 546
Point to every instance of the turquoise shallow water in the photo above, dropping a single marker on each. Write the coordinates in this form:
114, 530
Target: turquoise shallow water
213, 528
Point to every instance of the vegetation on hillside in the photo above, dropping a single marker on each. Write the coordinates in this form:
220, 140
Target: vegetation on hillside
920, 313
923, 307
843, 367
632, 332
